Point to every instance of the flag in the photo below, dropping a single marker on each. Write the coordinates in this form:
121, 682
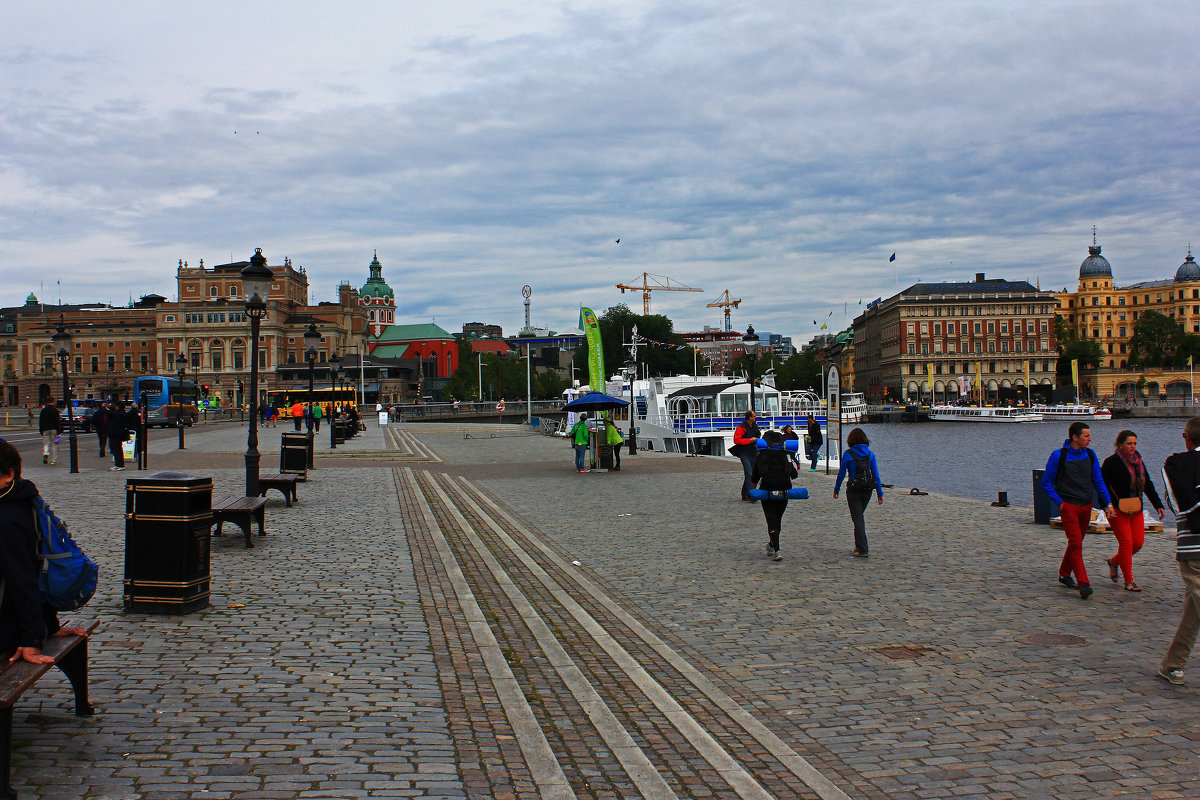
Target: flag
929, 370
831, 313
1189, 361
893, 258
979, 379
814, 322
860, 301
1075, 374
824, 326
591, 328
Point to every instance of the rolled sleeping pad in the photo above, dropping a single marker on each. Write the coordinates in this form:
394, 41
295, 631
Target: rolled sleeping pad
790, 445
795, 493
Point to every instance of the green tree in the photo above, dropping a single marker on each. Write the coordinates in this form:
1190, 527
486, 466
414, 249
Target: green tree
1189, 346
464, 383
1155, 340
1071, 347
549, 385
616, 327
801, 371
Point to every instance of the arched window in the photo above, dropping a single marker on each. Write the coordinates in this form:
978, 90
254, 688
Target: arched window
238, 354
216, 355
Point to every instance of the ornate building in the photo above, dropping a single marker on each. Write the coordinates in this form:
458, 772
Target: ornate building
378, 299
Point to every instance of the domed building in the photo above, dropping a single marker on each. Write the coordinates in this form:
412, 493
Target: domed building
1107, 313
378, 299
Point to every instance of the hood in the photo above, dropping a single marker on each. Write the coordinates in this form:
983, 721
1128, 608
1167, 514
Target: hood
861, 450
22, 491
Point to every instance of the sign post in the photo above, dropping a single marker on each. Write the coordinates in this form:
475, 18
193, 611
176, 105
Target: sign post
833, 418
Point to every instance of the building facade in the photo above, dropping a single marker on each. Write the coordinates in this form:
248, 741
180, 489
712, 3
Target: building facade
989, 331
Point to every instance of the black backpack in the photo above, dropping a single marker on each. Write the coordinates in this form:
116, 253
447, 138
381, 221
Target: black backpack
862, 480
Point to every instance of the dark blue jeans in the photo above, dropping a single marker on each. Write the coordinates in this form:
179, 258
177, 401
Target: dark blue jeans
858, 502
747, 460
812, 452
580, 455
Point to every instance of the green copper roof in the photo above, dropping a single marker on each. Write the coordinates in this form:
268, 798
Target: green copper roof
412, 333
375, 285
32, 298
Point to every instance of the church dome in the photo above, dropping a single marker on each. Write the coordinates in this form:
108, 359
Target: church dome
376, 286
1189, 270
1095, 265
31, 300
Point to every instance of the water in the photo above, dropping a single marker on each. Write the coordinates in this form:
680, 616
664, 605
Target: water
977, 459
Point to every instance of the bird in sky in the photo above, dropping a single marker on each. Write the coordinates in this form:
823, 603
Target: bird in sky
618, 241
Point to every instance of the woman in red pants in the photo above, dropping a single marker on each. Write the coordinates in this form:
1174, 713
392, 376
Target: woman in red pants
1127, 479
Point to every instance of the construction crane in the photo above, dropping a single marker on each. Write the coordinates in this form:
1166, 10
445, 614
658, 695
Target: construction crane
651, 283
725, 302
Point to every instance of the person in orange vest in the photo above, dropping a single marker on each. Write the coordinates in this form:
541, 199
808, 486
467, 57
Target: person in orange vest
297, 414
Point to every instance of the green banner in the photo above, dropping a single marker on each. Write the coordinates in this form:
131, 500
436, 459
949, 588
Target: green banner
591, 329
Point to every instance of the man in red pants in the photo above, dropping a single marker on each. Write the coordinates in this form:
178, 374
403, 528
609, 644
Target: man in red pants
1071, 474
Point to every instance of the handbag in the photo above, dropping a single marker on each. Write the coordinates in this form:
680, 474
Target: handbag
1129, 505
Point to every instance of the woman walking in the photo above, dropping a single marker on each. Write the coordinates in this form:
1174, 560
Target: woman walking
859, 463
773, 472
1127, 480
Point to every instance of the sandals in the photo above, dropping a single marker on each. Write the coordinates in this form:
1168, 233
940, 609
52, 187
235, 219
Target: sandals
1132, 587
1112, 569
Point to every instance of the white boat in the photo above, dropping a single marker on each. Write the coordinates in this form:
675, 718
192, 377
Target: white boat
854, 405
1072, 411
984, 414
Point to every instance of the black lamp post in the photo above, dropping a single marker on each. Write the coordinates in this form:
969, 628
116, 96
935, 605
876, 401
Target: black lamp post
256, 285
631, 368
312, 338
180, 370
335, 361
750, 342
62, 340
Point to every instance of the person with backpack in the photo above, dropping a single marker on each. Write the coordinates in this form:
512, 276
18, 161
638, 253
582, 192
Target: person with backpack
117, 430
858, 462
773, 472
26, 619
1072, 472
745, 447
50, 426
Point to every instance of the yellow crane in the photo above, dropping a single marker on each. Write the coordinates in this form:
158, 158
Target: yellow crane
725, 302
651, 283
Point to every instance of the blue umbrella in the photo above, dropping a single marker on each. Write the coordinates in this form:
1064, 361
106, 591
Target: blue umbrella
595, 401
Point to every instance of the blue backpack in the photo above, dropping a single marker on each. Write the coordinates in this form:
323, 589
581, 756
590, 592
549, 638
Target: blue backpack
68, 577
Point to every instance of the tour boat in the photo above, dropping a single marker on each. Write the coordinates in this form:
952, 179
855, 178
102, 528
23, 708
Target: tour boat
853, 405
984, 414
1072, 411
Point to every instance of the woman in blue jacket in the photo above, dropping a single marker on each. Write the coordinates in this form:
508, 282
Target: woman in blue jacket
859, 463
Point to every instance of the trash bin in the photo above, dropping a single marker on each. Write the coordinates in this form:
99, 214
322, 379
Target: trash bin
606, 456
1043, 507
168, 516
339, 431
293, 454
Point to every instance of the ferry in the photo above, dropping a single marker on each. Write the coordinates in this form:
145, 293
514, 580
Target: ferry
984, 414
854, 405
1072, 411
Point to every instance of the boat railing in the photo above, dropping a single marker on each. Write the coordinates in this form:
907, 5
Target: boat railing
713, 422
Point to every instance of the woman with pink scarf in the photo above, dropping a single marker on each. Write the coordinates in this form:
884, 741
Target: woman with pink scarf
1127, 479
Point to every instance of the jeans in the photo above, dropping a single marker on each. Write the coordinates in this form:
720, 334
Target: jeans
747, 460
858, 502
1075, 521
812, 452
118, 454
1185, 636
580, 456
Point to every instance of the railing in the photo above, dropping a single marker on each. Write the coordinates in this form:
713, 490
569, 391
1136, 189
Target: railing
473, 409
713, 422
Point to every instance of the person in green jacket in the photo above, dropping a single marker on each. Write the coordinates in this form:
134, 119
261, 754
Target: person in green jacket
614, 438
579, 439
317, 413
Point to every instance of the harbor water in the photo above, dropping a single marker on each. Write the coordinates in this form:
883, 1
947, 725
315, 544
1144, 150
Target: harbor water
975, 459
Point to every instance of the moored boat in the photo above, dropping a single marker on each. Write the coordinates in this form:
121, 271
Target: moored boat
983, 414
1072, 411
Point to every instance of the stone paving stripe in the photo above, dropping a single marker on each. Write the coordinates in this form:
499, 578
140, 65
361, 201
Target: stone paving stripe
543, 766
796, 763
708, 747
632, 759
412, 444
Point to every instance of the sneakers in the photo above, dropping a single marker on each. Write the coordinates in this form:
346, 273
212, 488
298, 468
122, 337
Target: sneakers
1068, 581
1085, 591
812, 469
54, 463
116, 469
770, 550
777, 556
45, 459
1172, 676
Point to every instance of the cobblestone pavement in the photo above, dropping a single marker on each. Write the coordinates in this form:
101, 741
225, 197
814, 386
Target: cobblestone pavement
452, 611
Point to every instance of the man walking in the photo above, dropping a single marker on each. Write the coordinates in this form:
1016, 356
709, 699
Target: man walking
579, 440
117, 429
49, 426
100, 423
297, 414
745, 440
1181, 473
813, 445
1071, 473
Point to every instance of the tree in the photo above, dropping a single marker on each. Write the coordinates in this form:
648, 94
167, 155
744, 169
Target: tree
1071, 347
1189, 347
1155, 340
801, 371
549, 385
616, 326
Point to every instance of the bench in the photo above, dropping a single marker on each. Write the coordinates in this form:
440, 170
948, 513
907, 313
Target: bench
285, 484
241, 511
70, 655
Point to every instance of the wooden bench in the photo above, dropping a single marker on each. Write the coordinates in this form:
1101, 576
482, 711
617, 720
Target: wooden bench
70, 655
285, 484
241, 511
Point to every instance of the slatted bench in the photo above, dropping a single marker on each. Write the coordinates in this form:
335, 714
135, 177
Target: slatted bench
17, 677
285, 484
241, 511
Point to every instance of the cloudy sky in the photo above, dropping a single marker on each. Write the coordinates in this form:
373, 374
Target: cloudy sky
780, 150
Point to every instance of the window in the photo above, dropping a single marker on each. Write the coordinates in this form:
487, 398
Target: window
1121, 331
216, 359
169, 318
239, 360
991, 327
233, 290
1095, 301
991, 347
911, 329
949, 347
262, 359
195, 359
1044, 326
1017, 346
1095, 333
79, 363
977, 328
128, 363
925, 349
979, 347
1004, 346
95, 364
950, 328
1120, 301
212, 291
145, 363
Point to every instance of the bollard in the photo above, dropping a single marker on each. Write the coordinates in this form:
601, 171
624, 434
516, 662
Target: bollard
1001, 500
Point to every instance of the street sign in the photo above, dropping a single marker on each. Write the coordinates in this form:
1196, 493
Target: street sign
833, 418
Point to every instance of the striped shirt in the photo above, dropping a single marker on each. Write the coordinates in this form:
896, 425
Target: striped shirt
1181, 480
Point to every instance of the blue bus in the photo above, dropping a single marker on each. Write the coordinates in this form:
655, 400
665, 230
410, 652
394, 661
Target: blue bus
168, 400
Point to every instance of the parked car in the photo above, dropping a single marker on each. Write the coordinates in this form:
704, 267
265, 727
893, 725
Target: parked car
83, 418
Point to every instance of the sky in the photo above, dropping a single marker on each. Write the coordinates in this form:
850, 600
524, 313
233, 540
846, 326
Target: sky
779, 150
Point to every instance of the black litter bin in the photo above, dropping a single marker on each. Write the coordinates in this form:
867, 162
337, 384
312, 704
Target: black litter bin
1043, 507
167, 520
606, 456
339, 431
293, 454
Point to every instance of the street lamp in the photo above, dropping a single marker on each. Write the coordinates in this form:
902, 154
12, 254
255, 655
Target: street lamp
312, 338
631, 369
180, 370
335, 361
256, 285
750, 342
62, 340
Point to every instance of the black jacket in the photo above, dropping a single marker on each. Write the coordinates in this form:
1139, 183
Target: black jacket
1120, 482
49, 420
814, 434
25, 621
773, 470
116, 426
1181, 482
